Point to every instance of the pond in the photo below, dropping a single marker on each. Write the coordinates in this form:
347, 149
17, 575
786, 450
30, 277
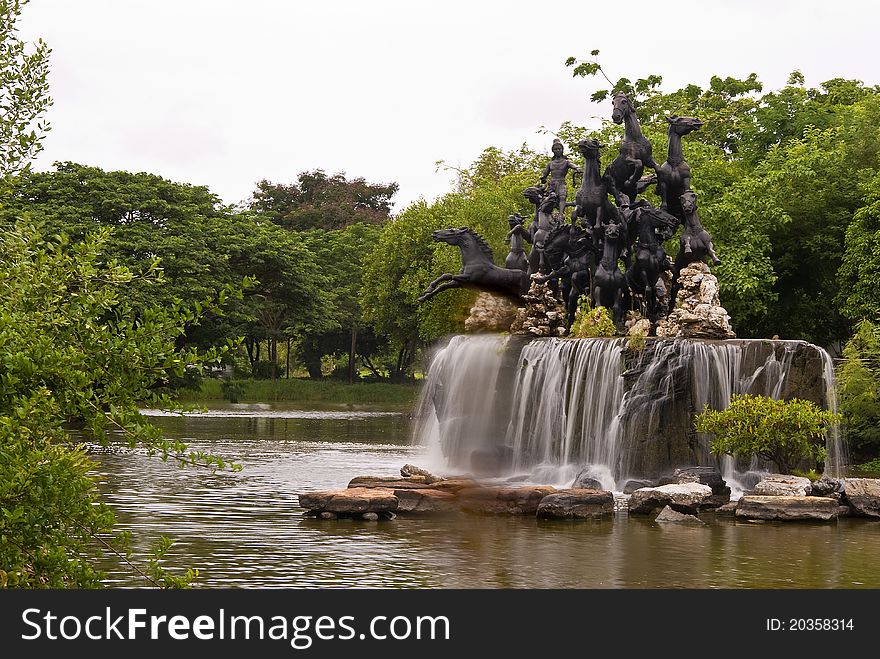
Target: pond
245, 529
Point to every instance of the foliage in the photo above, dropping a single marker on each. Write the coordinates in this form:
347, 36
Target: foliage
591, 323
199, 245
318, 201
74, 355
872, 466
303, 391
24, 93
858, 378
784, 432
859, 294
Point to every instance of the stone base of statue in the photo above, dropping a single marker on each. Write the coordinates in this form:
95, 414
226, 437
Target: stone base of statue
490, 313
698, 313
543, 314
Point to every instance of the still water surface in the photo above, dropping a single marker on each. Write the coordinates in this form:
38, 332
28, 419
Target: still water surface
246, 530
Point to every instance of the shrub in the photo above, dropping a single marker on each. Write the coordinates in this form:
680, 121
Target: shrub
591, 323
785, 432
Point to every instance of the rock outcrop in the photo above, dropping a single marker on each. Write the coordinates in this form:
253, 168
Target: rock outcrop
503, 500
863, 496
698, 313
675, 517
490, 313
543, 314
349, 502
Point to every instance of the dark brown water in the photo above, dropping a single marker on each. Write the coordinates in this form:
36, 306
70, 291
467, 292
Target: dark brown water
246, 529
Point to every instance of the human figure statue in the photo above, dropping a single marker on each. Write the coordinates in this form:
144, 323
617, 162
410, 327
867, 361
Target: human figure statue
674, 175
516, 258
557, 171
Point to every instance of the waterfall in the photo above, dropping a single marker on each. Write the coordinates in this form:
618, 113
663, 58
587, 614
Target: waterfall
555, 406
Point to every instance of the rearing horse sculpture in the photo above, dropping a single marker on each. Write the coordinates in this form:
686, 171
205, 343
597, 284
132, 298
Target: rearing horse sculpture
576, 268
592, 202
674, 175
478, 268
650, 257
609, 285
622, 176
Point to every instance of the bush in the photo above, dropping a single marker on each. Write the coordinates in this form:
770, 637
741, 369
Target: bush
591, 323
784, 432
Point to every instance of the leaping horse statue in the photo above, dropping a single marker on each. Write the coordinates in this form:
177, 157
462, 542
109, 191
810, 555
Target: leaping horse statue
695, 243
478, 268
674, 175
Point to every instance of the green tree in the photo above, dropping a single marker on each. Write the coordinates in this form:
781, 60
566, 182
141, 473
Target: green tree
24, 93
859, 292
318, 201
75, 360
858, 379
782, 431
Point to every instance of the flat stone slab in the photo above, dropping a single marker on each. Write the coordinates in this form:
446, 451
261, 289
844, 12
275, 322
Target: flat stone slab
684, 497
783, 485
424, 502
390, 482
576, 503
863, 495
787, 508
350, 501
503, 500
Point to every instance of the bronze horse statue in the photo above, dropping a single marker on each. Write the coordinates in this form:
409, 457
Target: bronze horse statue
674, 175
695, 243
609, 285
650, 258
577, 267
591, 199
478, 270
623, 174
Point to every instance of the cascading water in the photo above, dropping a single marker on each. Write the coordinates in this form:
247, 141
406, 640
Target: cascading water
556, 406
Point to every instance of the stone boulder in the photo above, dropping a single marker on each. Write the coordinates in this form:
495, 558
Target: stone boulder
576, 503
707, 476
425, 502
409, 471
684, 497
787, 508
351, 501
675, 517
503, 500
782, 485
826, 487
542, 315
586, 480
634, 484
863, 496
454, 485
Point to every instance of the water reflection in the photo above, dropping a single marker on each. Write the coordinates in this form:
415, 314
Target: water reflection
246, 529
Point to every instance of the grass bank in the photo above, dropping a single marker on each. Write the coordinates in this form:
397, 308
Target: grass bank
302, 391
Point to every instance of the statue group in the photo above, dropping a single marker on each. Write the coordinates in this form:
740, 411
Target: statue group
609, 226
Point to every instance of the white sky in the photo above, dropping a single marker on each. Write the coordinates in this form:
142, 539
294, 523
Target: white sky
223, 94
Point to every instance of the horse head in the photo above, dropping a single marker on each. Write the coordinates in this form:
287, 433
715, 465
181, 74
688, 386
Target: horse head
683, 125
450, 236
589, 148
622, 107
688, 201
534, 194
549, 202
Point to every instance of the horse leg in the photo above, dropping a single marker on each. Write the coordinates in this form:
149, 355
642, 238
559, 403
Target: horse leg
444, 277
712, 254
442, 287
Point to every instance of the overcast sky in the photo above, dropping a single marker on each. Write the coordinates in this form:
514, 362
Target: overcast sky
224, 93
